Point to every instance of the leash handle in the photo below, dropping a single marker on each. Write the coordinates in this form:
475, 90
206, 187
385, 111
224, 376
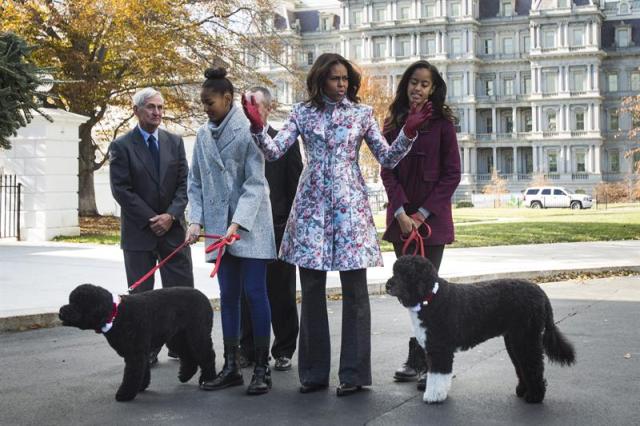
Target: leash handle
220, 242
416, 237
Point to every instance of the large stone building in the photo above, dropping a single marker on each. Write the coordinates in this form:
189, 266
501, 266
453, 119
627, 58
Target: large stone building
537, 84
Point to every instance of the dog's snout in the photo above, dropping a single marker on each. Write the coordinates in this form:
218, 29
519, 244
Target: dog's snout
68, 314
389, 287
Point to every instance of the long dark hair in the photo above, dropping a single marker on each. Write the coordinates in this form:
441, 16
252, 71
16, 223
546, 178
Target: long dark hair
319, 73
399, 108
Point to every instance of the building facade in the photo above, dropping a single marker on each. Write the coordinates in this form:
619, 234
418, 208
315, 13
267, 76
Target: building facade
537, 85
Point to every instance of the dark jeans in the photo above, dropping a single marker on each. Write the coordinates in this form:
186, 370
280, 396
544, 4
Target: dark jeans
238, 274
314, 355
281, 289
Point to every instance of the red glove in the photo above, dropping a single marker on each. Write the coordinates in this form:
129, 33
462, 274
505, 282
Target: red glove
251, 111
416, 118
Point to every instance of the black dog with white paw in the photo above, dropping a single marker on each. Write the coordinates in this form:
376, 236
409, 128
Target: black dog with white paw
448, 317
179, 317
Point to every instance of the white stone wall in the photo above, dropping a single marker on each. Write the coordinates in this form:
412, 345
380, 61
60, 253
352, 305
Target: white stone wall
44, 156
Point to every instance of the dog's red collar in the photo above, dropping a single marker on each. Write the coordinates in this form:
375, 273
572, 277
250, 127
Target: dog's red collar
428, 299
114, 312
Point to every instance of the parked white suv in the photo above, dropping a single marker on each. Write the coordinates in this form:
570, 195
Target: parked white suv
555, 196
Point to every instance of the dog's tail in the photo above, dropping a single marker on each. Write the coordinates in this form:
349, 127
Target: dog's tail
556, 345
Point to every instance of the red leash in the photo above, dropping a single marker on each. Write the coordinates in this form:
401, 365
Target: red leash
416, 237
216, 245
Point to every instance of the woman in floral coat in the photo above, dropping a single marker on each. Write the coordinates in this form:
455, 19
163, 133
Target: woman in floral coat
330, 226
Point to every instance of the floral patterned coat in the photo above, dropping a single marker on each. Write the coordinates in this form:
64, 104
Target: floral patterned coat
330, 227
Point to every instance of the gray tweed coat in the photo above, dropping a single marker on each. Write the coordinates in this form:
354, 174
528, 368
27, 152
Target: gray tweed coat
227, 184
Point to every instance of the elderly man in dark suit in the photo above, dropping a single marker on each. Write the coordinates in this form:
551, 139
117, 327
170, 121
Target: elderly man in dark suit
148, 173
282, 176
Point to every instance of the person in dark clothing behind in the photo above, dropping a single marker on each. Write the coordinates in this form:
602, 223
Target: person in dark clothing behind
282, 176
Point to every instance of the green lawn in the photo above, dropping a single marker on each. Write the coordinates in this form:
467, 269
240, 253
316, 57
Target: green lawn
508, 226
476, 227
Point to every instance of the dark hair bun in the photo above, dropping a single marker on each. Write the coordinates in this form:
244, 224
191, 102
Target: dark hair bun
215, 73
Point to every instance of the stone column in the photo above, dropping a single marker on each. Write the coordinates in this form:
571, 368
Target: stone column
515, 162
534, 151
467, 168
598, 149
495, 158
494, 122
474, 161
514, 120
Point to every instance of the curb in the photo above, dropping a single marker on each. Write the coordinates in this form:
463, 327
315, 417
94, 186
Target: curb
376, 287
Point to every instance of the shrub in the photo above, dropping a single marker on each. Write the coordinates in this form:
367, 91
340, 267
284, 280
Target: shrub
463, 204
612, 192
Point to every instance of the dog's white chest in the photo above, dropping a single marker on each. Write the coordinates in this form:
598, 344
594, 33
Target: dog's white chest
418, 330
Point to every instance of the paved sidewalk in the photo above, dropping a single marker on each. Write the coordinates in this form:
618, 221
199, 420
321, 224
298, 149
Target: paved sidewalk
37, 278
65, 376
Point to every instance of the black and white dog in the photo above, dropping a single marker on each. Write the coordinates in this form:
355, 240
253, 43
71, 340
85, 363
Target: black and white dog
181, 317
449, 317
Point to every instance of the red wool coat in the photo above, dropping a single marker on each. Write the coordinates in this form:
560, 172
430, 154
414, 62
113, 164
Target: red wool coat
427, 177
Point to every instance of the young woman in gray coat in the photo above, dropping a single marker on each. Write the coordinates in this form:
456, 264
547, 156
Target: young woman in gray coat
228, 194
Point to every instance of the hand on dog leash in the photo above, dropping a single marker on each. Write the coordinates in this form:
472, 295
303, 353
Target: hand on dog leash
414, 236
192, 237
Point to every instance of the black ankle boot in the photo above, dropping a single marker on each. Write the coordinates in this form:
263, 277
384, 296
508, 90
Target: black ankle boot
261, 380
415, 363
230, 374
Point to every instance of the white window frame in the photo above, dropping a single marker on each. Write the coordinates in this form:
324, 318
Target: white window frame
489, 89
508, 87
613, 119
613, 83
552, 153
401, 8
509, 51
579, 112
580, 153
400, 47
379, 47
356, 17
428, 41
526, 43
577, 78
380, 14
611, 154
549, 38
526, 84
634, 81
452, 9
546, 81
620, 42
458, 51
551, 117
487, 46
504, 5
429, 6
456, 87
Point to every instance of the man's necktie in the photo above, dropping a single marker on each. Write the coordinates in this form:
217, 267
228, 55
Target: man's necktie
153, 149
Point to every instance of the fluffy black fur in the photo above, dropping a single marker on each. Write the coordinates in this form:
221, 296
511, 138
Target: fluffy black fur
461, 316
181, 317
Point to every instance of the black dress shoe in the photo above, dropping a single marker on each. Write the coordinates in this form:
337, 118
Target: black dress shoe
282, 363
172, 354
347, 389
311, 387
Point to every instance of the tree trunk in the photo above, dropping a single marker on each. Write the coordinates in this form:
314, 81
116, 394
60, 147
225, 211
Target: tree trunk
86, 161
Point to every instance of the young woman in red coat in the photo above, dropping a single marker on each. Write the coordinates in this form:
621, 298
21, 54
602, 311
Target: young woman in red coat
420, 187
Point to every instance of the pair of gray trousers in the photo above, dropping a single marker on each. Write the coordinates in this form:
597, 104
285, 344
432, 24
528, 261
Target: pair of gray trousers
314, 346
